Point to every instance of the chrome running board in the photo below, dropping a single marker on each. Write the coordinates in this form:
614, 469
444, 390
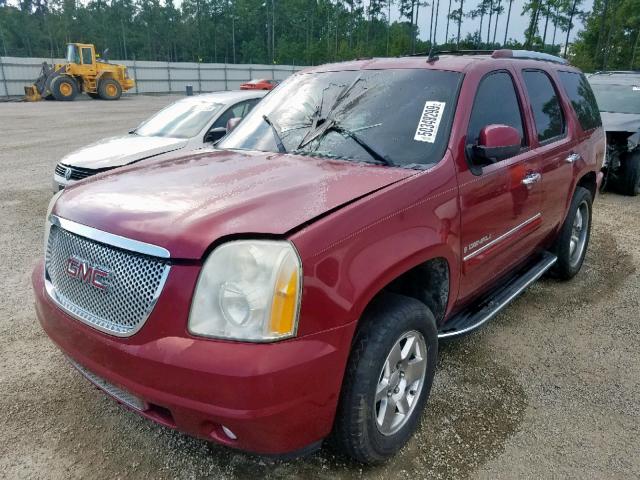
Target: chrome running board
487, 307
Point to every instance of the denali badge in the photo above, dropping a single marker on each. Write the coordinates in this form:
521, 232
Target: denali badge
85, 272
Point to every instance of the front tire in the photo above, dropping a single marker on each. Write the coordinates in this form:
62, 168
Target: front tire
109, 89
64, 88
573, 239
388, 379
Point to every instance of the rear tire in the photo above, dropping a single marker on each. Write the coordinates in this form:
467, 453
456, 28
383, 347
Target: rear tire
630, 181
573, 239
388, 379
64, 88
109, 89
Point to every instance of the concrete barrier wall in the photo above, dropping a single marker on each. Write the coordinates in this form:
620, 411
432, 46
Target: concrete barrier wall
151, 77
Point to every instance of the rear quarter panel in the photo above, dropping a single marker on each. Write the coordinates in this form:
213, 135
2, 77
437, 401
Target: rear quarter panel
350, 255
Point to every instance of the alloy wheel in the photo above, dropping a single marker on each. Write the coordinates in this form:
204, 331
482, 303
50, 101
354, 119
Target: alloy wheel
579, 233
400, 382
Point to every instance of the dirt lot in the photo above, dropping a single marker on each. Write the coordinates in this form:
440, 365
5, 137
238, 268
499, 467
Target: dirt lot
550, 389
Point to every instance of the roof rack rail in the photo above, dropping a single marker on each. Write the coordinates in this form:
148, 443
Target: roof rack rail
451, 52
607, 72
529, 55
502, 53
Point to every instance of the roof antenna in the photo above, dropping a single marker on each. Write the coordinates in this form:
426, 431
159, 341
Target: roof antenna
433, 55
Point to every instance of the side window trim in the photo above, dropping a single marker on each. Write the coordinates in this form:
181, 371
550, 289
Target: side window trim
565, 124
521, 107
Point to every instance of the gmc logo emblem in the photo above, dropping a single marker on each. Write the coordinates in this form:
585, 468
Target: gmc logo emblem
85, 272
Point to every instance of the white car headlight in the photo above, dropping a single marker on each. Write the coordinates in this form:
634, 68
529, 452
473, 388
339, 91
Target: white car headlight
248, 290
47, 223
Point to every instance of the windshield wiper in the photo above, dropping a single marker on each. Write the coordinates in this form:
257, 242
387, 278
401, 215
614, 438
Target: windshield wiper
376, 154
276, 135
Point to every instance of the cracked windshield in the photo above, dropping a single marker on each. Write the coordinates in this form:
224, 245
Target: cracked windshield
388, 117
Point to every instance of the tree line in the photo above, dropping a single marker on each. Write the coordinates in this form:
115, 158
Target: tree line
610, 39
308, 32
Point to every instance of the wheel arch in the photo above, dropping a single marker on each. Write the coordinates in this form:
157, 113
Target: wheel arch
426, 276
589, 180
429, 282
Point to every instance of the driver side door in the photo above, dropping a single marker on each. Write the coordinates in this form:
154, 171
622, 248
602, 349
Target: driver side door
219, 127
500, 203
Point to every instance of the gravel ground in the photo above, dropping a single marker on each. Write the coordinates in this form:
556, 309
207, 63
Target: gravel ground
549, 389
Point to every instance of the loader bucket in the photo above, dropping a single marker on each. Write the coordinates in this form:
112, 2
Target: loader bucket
38, 89
31, 94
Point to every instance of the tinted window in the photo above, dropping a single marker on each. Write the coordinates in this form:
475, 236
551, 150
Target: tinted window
487, 111
404, 115
545, 104
582, 99
86, 56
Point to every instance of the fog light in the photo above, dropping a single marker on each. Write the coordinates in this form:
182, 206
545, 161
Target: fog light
229, 433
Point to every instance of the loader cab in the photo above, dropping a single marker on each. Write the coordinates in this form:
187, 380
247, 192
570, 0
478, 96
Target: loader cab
83, 58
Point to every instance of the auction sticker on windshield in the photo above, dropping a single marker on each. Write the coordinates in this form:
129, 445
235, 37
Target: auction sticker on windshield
429, 122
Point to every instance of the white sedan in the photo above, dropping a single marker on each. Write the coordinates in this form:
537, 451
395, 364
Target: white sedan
188, 124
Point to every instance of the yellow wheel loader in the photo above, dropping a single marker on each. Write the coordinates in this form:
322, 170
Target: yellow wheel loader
82, 72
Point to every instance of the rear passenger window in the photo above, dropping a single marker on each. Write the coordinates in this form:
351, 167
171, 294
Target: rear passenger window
496, 102
545, 105
582, 99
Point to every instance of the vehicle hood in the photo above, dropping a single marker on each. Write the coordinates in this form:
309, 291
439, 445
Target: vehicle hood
118, 151
620, 122
186, 204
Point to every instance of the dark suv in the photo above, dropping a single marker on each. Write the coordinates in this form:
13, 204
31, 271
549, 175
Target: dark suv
298, 280
618, 95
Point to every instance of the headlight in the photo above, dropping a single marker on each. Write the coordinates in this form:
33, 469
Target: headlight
47, 223
248, 290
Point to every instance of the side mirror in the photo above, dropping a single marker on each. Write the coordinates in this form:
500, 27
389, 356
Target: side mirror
215, 134
495, 143
233, 123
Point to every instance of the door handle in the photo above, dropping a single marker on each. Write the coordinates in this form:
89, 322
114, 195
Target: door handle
573, 158
531, 179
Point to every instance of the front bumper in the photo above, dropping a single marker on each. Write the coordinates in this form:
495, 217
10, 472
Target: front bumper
276, 398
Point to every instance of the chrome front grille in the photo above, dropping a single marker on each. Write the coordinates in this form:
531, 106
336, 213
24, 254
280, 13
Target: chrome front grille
76, 173
118, 300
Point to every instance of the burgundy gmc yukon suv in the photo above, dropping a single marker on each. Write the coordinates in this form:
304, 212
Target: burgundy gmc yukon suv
296, 281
